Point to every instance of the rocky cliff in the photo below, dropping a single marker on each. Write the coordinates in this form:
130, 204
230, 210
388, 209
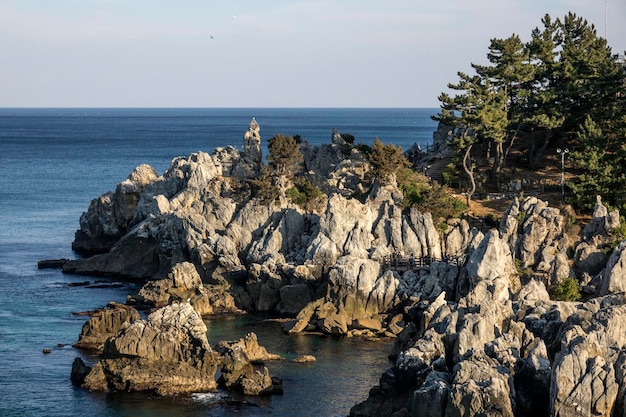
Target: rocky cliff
241, 253
501, 346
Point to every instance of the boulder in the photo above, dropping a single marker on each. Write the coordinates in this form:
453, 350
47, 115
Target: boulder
602, 221
168, 354
181, 284
541, 228
614, 275
104, 324
293, 298
242, 368
481, 387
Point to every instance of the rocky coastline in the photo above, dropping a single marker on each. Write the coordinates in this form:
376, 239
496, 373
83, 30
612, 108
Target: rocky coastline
476, 331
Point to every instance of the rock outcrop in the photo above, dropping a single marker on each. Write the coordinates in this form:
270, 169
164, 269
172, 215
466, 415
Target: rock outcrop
103, 324
182, 284
502, 347
168, 354
243, 369
260, 257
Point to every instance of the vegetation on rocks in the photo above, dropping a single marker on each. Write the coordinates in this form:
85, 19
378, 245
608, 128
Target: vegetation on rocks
284, 158
386, 160
568, 290
306, 195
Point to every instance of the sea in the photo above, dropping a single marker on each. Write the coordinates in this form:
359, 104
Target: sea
54, 161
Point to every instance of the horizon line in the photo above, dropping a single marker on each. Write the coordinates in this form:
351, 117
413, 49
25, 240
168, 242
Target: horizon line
217, 107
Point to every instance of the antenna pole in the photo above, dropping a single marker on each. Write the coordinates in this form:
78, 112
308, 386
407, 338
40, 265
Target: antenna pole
606, 19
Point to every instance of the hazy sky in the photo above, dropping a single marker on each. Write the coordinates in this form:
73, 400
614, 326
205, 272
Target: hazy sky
245, 53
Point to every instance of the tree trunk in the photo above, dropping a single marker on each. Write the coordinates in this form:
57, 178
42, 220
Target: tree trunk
467, 167
535, 157
497, 163
508, 148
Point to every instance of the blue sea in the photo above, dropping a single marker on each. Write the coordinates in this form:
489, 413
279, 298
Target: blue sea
53, 162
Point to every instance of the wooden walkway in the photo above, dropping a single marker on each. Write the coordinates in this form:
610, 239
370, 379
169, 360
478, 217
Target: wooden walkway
405, 263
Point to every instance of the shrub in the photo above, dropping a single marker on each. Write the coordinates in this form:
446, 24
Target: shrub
348, 138
450, 173
441, 204
263, 187
364, 149
359, 195
435, 199
568, 290
306, 195
414, 186
491, 220
522, 271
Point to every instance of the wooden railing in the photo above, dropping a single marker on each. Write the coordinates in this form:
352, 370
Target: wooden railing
405, 263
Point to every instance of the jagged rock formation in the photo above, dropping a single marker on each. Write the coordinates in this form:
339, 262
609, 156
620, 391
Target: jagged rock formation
168, 353
243, 369
264, 257
104, 324
477, 332
251, 150
182, 284
501, 347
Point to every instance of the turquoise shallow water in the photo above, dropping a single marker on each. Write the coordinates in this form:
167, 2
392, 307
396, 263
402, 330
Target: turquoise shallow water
54, 161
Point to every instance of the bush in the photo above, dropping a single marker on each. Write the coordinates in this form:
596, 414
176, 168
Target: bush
306, 195
568, 290
414, 186
364, 149
427, 198
348, 138
263, 186
491, 220
451, 172
522, 271
441, 204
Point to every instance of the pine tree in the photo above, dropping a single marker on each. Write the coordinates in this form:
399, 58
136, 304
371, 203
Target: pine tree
510, 69
386, 160
284, 157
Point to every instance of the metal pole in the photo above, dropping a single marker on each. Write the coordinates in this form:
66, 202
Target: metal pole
606, 19
562, 152
563, 177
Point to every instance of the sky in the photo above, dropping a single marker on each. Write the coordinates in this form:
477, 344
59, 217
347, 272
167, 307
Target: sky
256, 53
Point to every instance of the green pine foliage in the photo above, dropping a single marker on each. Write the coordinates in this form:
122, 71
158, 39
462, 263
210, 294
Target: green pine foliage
568, 290
562, 87
386, 160
306, 195
284, 157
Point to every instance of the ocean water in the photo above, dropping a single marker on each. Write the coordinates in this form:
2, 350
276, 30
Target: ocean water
54, 161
